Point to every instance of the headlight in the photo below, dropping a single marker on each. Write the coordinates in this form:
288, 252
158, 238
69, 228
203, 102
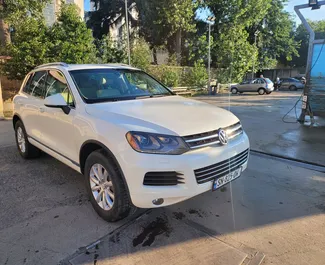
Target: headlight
156, 143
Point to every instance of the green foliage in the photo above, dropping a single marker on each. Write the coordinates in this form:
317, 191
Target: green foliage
15, 11
72, 42
276, 39
197, 76
109, 51
302, 37
28, 49
169, 77
141, 54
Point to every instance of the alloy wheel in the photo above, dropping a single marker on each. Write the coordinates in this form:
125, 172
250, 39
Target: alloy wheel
101, 187
21, 140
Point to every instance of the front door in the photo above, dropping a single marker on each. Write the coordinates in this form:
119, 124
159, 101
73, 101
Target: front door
58, 128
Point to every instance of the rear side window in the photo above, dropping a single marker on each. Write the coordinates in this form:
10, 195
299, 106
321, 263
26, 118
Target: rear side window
26, 87
37, 86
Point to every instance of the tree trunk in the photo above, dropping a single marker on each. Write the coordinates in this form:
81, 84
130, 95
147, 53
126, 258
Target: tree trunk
179, 46
4, 30
154, 53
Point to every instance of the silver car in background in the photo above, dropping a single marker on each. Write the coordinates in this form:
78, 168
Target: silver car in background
291, 84
259, 85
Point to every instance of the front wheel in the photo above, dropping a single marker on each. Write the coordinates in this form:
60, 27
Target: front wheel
105, 186
261, 91
234, 90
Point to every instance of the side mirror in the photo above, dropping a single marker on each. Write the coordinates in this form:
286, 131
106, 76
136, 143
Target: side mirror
57, 101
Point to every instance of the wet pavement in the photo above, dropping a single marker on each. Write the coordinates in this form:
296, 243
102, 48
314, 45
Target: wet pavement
262, 116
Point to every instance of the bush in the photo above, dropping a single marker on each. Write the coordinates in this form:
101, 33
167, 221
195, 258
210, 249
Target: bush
170, 77
141, 55
197, 76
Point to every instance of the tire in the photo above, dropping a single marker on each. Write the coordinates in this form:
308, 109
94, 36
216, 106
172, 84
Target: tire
268, 93
261, 91
234, 90
292, 88
112, 194
25, 148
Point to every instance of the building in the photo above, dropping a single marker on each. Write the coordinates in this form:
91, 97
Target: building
52, 8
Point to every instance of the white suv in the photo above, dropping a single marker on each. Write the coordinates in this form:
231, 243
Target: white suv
130, 136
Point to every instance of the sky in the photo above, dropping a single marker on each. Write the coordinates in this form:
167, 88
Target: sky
308, 13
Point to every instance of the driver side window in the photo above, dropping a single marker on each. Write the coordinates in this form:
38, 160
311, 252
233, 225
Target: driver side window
57, 84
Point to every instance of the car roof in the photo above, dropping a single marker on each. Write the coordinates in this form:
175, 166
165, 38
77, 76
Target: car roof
70, 67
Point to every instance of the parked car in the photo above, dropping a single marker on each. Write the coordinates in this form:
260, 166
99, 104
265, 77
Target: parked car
260, 85
291, 84
302, 79
134, 141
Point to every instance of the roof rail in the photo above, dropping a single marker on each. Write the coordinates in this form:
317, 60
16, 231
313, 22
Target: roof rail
52, 64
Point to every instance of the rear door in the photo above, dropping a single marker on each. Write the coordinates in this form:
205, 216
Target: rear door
254, 85
285, 83
32, 103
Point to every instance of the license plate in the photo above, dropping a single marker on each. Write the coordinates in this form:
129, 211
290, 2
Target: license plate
219, 182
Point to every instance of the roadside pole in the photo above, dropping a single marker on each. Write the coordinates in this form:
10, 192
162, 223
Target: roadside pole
209, 61
1, 103
127, 30
210, 21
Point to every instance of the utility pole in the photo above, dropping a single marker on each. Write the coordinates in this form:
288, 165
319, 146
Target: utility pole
255, 42
210, 19
127, 30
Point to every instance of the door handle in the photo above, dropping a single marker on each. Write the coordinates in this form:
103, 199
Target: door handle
41, 110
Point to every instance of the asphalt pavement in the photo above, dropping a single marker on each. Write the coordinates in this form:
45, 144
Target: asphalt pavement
276, 208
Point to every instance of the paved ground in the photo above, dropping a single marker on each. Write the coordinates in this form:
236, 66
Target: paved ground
276, 208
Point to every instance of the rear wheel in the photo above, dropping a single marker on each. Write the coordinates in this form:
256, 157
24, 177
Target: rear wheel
234, 90
25, 148
269, 92
292, 88
261, 91
105, 186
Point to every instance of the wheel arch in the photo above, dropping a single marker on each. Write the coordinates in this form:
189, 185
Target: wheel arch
93, 145
16, 118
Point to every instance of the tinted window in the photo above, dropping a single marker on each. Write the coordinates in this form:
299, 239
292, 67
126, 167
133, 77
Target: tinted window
26, 88
57, 84
37, 86
98, 85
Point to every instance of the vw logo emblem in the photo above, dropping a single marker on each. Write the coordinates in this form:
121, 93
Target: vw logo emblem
223, 138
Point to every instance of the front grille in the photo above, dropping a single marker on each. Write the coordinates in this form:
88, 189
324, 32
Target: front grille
168, 178
210, 138
220, 169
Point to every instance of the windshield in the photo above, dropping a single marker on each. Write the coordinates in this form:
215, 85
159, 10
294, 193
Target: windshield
99, 85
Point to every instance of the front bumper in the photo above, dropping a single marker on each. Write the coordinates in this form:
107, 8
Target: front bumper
135, 165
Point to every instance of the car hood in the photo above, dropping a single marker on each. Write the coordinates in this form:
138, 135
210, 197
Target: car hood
169, 115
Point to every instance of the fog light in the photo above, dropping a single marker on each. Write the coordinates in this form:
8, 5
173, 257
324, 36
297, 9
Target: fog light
158, 201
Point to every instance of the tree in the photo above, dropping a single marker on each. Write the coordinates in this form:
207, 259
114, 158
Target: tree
28, 49
109, 51
71, 42
141, 54
177, 17
106, 11
302, 37
276, 41
14, 13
